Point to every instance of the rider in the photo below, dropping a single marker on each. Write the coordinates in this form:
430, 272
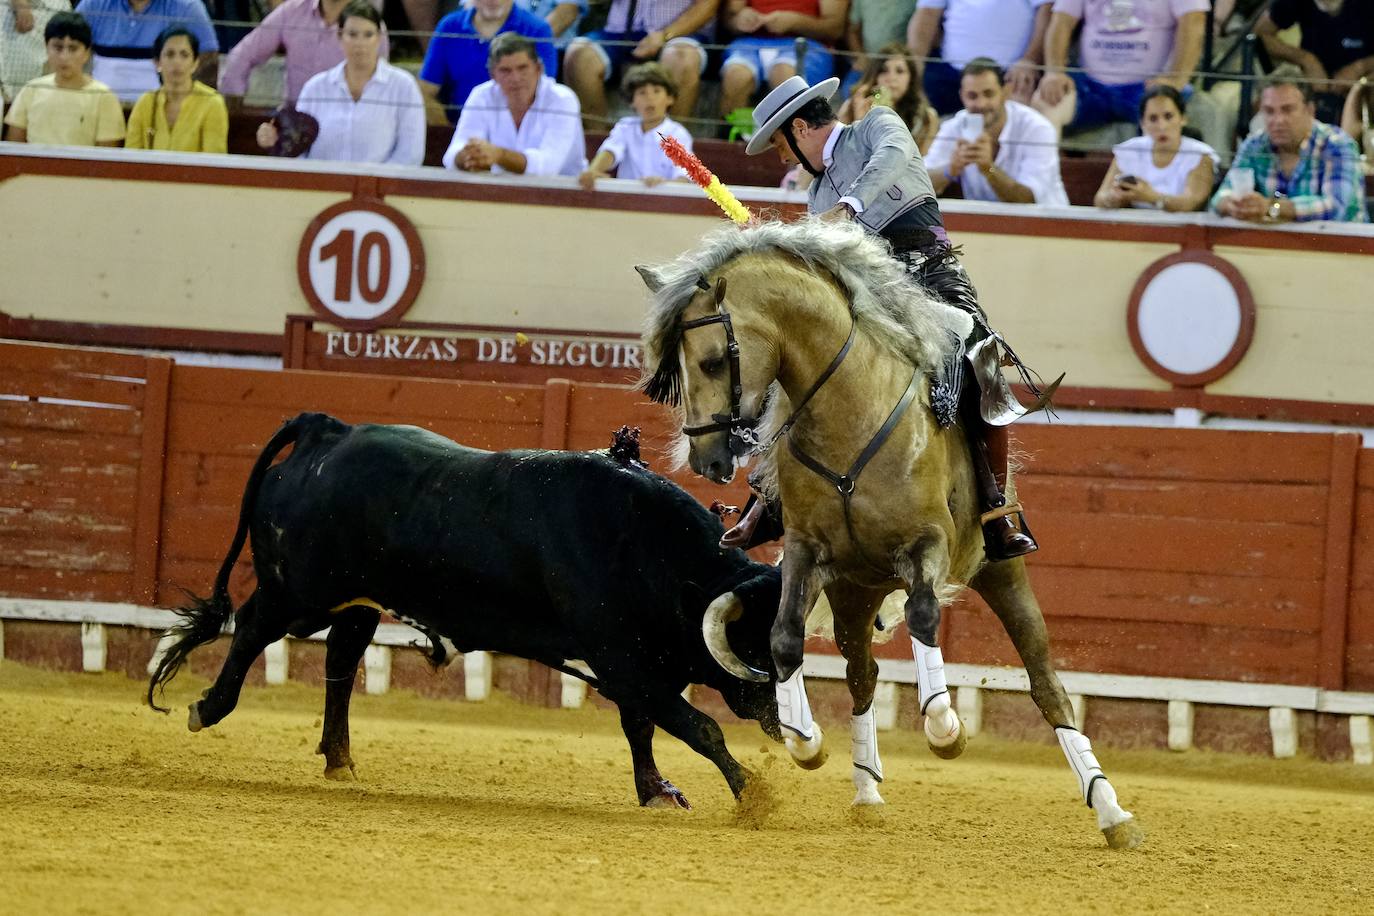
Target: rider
871, 172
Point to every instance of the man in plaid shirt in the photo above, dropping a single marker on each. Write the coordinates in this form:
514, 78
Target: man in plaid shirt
1303, 170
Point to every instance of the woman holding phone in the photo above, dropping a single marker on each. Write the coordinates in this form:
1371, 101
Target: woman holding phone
1161, 169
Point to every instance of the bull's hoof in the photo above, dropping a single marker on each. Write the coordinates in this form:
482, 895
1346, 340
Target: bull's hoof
340, 774
663, 794
945, 746
193, 717
1126, 835
809, 755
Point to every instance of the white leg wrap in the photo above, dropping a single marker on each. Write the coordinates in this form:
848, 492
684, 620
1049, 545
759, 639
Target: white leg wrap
863, 743
1092, 783
930, 672
794, 713
942, 723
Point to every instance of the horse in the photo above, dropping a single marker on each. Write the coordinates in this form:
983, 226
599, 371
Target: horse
811, 334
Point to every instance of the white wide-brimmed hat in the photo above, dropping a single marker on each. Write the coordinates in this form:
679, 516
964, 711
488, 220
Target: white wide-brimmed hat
780, 105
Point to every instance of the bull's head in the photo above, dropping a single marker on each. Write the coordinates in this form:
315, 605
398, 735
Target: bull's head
736, 629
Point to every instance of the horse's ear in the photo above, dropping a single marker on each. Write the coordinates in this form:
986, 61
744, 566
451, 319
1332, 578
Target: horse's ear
652, 278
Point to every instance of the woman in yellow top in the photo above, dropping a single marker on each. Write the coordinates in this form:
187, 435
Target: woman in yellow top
184, 115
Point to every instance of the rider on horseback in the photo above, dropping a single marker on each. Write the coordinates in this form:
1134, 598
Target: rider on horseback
871, 172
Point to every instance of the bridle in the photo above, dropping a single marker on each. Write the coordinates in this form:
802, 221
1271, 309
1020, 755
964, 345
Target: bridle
743, 431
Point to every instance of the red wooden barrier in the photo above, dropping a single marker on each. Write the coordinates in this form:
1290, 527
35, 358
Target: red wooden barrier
1188, 553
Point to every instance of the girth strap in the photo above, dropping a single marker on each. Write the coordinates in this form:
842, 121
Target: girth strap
846, 482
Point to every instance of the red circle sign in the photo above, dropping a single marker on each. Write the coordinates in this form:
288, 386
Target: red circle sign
361, 264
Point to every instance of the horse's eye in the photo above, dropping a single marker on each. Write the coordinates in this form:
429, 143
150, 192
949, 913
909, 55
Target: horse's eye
713, 366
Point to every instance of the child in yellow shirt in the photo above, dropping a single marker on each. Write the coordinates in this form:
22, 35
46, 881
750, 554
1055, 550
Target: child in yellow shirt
66, 107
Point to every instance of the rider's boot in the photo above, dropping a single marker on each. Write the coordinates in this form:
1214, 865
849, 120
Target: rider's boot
988, 445
758, 524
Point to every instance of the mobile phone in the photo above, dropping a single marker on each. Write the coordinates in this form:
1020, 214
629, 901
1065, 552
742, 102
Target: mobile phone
1126, 179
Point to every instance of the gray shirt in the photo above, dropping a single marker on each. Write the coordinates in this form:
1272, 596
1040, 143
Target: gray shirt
876, 163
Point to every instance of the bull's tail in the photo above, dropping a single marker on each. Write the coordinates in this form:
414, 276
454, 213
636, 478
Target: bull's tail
203, 619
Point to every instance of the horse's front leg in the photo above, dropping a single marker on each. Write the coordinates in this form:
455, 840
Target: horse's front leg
855, 609
800, 588
929, 557
1006, 588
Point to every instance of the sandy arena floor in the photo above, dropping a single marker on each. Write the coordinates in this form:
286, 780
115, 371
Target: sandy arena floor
108, 807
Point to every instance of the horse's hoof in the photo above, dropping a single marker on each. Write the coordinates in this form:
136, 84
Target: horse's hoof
868, 797
193, 717
1126, 835
809, 755
951, 749
340, 774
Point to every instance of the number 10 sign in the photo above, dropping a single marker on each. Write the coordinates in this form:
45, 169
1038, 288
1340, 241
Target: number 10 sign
361, 264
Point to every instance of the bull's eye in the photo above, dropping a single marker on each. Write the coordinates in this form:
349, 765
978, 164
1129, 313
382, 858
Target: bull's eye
713, 365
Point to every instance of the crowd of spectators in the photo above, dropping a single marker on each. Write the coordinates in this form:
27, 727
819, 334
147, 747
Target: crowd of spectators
988, 88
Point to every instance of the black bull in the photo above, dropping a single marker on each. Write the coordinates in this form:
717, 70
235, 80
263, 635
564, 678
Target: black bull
550, 556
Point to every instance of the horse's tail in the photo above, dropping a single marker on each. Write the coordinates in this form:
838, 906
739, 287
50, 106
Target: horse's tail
203, 619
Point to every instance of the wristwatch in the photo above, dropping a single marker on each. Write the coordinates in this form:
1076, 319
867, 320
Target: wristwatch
1272, 215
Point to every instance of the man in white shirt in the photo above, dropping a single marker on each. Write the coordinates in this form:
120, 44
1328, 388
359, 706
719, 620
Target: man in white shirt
520, 121
996, 149
1011, 32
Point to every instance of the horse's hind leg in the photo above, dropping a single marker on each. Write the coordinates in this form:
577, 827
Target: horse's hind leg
854, 609
945, 734
257, 625
350, 632
1006, 588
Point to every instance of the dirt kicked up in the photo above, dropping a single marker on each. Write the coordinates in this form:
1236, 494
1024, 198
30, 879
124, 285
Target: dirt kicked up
108, 807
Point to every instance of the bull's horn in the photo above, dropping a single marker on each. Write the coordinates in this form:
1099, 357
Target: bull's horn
727, 609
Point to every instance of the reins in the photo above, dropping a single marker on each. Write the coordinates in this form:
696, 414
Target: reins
744, 431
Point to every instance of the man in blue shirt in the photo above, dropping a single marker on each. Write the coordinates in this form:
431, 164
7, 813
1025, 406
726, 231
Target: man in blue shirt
456, 61
123, 32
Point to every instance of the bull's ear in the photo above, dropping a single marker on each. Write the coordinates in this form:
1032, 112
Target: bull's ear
652, 278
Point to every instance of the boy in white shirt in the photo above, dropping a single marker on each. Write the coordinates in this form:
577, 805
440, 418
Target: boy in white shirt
632, 148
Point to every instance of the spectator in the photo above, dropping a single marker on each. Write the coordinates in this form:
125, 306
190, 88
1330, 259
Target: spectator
996, 149
765, 52
184, 115
368, 110
1011, 32
22, 51
1357, 120
890, 79
66, 107
563, 17
124, 32
1296, 168
520, 121
307, 30
873, 24
457, 57
1161, 169
1337, 45
1123, 47
632, 148
669, 31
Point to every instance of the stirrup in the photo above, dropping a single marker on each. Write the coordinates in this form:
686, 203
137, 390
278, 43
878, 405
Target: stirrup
997, 543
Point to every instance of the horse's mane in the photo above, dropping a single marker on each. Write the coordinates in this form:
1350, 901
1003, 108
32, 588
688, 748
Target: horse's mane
894, 310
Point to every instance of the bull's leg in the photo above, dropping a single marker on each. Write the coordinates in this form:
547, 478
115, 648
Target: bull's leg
256, 626
855, 609
698, 731
653, 790
945, 734
800, 588
1006, 588
349, 634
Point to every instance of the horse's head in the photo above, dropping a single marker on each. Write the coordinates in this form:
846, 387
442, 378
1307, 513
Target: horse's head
715, 365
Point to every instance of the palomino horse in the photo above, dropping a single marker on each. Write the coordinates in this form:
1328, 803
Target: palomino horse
821, 315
